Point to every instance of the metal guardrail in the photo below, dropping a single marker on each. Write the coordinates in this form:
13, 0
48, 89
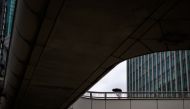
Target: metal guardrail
136, 95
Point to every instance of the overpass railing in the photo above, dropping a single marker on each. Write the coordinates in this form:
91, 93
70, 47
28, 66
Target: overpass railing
137, 95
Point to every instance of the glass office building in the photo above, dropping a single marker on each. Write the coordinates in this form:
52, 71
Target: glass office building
159, 72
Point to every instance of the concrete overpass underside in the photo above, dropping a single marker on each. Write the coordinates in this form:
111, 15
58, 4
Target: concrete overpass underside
60, 48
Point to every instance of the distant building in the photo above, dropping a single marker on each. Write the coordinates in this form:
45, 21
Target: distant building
159, 72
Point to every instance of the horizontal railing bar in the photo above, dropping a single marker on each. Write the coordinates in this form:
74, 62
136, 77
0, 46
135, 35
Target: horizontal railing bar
139, 91
136, 94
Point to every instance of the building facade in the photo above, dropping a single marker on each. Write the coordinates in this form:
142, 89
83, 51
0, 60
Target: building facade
159, 72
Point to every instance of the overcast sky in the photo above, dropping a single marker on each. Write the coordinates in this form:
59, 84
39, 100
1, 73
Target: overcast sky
116, 78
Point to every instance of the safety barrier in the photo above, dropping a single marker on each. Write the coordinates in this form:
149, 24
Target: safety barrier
133, 100
136, 95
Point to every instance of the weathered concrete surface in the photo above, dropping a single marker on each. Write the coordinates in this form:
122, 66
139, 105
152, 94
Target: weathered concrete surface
170, 103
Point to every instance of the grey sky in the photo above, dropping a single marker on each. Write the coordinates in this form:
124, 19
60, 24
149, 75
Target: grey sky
116, 78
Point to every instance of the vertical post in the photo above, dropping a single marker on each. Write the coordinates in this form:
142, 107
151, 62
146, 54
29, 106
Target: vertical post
127, 76
105, 95
91, 99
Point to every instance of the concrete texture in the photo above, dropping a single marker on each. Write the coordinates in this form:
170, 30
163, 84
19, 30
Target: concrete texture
83, 103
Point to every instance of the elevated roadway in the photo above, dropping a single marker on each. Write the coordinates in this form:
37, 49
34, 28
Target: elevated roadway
59, 48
